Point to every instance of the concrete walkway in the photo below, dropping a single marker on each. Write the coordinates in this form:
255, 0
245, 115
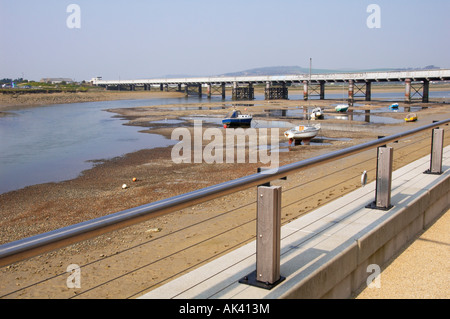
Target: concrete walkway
421, 270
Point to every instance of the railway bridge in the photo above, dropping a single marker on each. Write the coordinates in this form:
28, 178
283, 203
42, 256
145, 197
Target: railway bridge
277, 86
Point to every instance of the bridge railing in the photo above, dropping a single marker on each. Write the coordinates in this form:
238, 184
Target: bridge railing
443, 74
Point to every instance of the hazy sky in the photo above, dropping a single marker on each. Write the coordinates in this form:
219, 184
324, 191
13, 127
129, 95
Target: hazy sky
144, 39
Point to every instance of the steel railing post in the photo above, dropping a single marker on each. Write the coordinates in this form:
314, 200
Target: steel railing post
383, 179
268, 237
437, 145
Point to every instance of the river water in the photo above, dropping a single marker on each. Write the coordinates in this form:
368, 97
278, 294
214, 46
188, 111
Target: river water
57, 142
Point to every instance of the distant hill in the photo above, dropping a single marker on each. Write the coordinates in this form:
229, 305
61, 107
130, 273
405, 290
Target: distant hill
292, 70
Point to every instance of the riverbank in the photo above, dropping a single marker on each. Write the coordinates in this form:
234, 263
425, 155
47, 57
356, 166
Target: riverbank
10, 102
98, 192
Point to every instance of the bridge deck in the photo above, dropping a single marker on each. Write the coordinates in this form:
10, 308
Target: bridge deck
430, 75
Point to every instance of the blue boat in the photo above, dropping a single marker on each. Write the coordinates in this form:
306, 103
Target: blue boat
237, 119
393, 106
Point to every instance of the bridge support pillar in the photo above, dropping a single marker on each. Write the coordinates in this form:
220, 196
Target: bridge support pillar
199, 90
208, 90
322, 90
223, 90
243, 93
408, 90
305, 90
426, 91
276, 93
368, 91
350, 92
161, 87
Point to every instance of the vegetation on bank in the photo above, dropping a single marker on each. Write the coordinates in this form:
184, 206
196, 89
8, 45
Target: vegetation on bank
17, 86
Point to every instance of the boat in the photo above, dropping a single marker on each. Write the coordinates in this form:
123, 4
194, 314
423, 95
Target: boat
341, 108
411, 117
302, 133
317, 113
237, 119
393, 106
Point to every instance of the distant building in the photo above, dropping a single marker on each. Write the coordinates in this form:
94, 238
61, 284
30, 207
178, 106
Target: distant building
94, 80
56, 80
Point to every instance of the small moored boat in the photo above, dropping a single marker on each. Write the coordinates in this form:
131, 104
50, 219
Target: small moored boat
237, 119
302, 133
411, 117
316, 113
341, 108
393, 106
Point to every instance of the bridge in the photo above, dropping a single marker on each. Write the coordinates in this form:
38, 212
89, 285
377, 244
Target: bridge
276, 87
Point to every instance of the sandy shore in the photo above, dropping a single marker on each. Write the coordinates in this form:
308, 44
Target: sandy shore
170, 241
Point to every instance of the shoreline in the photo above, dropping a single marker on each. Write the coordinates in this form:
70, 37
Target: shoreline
97, 191
23, 101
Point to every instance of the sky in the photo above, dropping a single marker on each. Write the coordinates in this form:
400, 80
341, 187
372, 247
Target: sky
137, 39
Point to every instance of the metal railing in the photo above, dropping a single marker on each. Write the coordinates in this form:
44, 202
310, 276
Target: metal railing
35, 245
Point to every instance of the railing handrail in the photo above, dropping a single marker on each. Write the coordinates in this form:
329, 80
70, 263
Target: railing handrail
32, 246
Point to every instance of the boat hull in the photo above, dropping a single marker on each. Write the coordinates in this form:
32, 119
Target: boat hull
394, 106
237, 122
411, 118
302, 133
341, 108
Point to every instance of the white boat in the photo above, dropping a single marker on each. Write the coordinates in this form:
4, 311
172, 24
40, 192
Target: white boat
302, 133
341, 108
316, 113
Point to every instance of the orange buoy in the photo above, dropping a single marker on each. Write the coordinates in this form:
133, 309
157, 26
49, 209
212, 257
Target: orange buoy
134, 179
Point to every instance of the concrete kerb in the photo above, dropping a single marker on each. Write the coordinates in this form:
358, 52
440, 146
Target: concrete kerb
325, 254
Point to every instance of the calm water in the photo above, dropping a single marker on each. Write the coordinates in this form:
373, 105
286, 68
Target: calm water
56, 143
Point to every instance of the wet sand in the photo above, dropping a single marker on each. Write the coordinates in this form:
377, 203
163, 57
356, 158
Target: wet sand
167, 244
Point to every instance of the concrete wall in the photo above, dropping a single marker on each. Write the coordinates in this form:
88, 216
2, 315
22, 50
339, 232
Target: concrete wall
345, 273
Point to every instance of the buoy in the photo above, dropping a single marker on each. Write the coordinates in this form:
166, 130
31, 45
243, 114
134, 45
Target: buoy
124, 186
134, 179
364, 179
225, 126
